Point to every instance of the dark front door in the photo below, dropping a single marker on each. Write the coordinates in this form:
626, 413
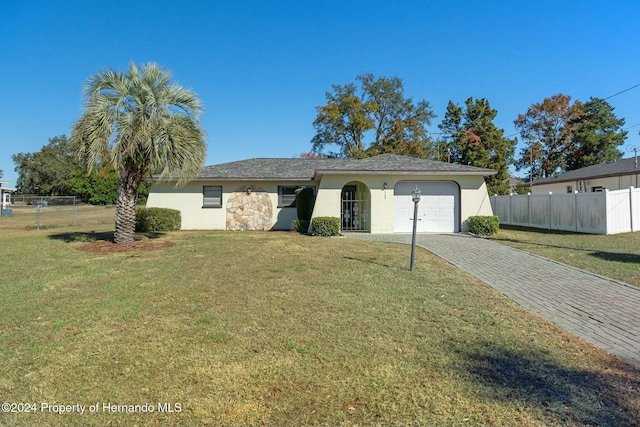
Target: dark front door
351, 209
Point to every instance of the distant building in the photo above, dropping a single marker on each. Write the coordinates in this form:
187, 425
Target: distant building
612, 175
5, 194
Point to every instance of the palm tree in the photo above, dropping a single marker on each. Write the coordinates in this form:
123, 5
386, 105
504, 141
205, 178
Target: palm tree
142, 123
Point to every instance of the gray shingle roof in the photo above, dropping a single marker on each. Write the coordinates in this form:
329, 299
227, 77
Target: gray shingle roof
616, 168
393, 163
266, 169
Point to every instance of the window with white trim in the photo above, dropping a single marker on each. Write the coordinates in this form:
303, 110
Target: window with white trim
212, 196
287, 196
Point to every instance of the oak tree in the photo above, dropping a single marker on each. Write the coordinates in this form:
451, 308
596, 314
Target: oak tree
47, 172
547, 129
370, 118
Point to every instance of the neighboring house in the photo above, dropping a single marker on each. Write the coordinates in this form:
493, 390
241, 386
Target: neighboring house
5, 194
369, 195
613, 175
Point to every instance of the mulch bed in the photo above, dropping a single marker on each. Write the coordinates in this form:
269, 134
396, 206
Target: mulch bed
110, 247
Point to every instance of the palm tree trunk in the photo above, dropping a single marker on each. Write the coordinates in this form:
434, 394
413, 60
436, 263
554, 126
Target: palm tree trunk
126, 210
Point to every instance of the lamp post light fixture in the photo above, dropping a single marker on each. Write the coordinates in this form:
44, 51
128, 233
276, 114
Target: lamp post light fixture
415, 196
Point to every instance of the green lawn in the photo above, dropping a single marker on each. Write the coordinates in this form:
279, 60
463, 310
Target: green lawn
278, 328
616, 255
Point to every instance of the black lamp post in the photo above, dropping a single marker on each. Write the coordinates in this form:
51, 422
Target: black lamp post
415, 196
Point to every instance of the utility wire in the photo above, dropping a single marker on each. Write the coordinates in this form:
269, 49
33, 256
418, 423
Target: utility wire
604, 99
622, 91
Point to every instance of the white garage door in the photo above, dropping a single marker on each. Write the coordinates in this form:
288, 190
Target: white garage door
438, 210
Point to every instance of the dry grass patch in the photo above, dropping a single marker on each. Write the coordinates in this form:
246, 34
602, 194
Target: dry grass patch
284, 329
26, 217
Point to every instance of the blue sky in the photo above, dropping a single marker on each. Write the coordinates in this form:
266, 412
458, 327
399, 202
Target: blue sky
261, 67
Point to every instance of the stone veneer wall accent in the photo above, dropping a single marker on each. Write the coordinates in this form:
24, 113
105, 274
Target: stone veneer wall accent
249, 212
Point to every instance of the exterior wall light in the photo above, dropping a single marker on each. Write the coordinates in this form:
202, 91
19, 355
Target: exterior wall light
248, 190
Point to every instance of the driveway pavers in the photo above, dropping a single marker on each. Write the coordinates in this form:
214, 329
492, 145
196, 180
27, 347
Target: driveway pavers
604, 311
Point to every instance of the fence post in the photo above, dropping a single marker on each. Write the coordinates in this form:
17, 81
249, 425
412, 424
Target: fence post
38, 217
529, 209
606, 211
631, 208
550, 199
510, 208
575, 208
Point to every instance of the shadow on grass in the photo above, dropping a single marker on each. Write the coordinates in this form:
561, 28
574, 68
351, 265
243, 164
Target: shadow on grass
370, 260
607, 256
569, 395
94, 236
617, 257
540, 230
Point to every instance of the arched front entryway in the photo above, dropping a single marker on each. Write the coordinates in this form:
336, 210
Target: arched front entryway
355, 211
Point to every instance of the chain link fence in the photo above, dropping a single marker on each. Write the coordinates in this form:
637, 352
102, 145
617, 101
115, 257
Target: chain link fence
35, 200
42, 212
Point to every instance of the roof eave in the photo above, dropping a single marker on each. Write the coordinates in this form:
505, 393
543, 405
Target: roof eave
404, 172
239, 178
607, 175
250, 178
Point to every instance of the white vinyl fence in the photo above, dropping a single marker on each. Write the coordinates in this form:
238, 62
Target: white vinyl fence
608, 212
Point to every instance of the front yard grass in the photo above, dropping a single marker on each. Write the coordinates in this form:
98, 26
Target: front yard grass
616, 255
282, 329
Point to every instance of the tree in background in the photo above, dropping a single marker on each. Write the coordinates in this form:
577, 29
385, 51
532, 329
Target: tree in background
476, 141
548, 129
100, 187
140, 122
597, 135
56, 171
377, 108
48, 171
309, 155
522, 188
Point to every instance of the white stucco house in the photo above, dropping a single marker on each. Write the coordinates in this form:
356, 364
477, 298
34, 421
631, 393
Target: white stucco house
5, 194
613, 175
369, 195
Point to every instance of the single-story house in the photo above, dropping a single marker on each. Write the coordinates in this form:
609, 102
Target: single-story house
5, 194
614, 175
369, 195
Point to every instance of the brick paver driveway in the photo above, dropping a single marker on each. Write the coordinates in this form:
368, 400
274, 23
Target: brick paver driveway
603, 311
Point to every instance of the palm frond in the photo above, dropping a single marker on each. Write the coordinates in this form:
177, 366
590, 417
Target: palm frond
141, 119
